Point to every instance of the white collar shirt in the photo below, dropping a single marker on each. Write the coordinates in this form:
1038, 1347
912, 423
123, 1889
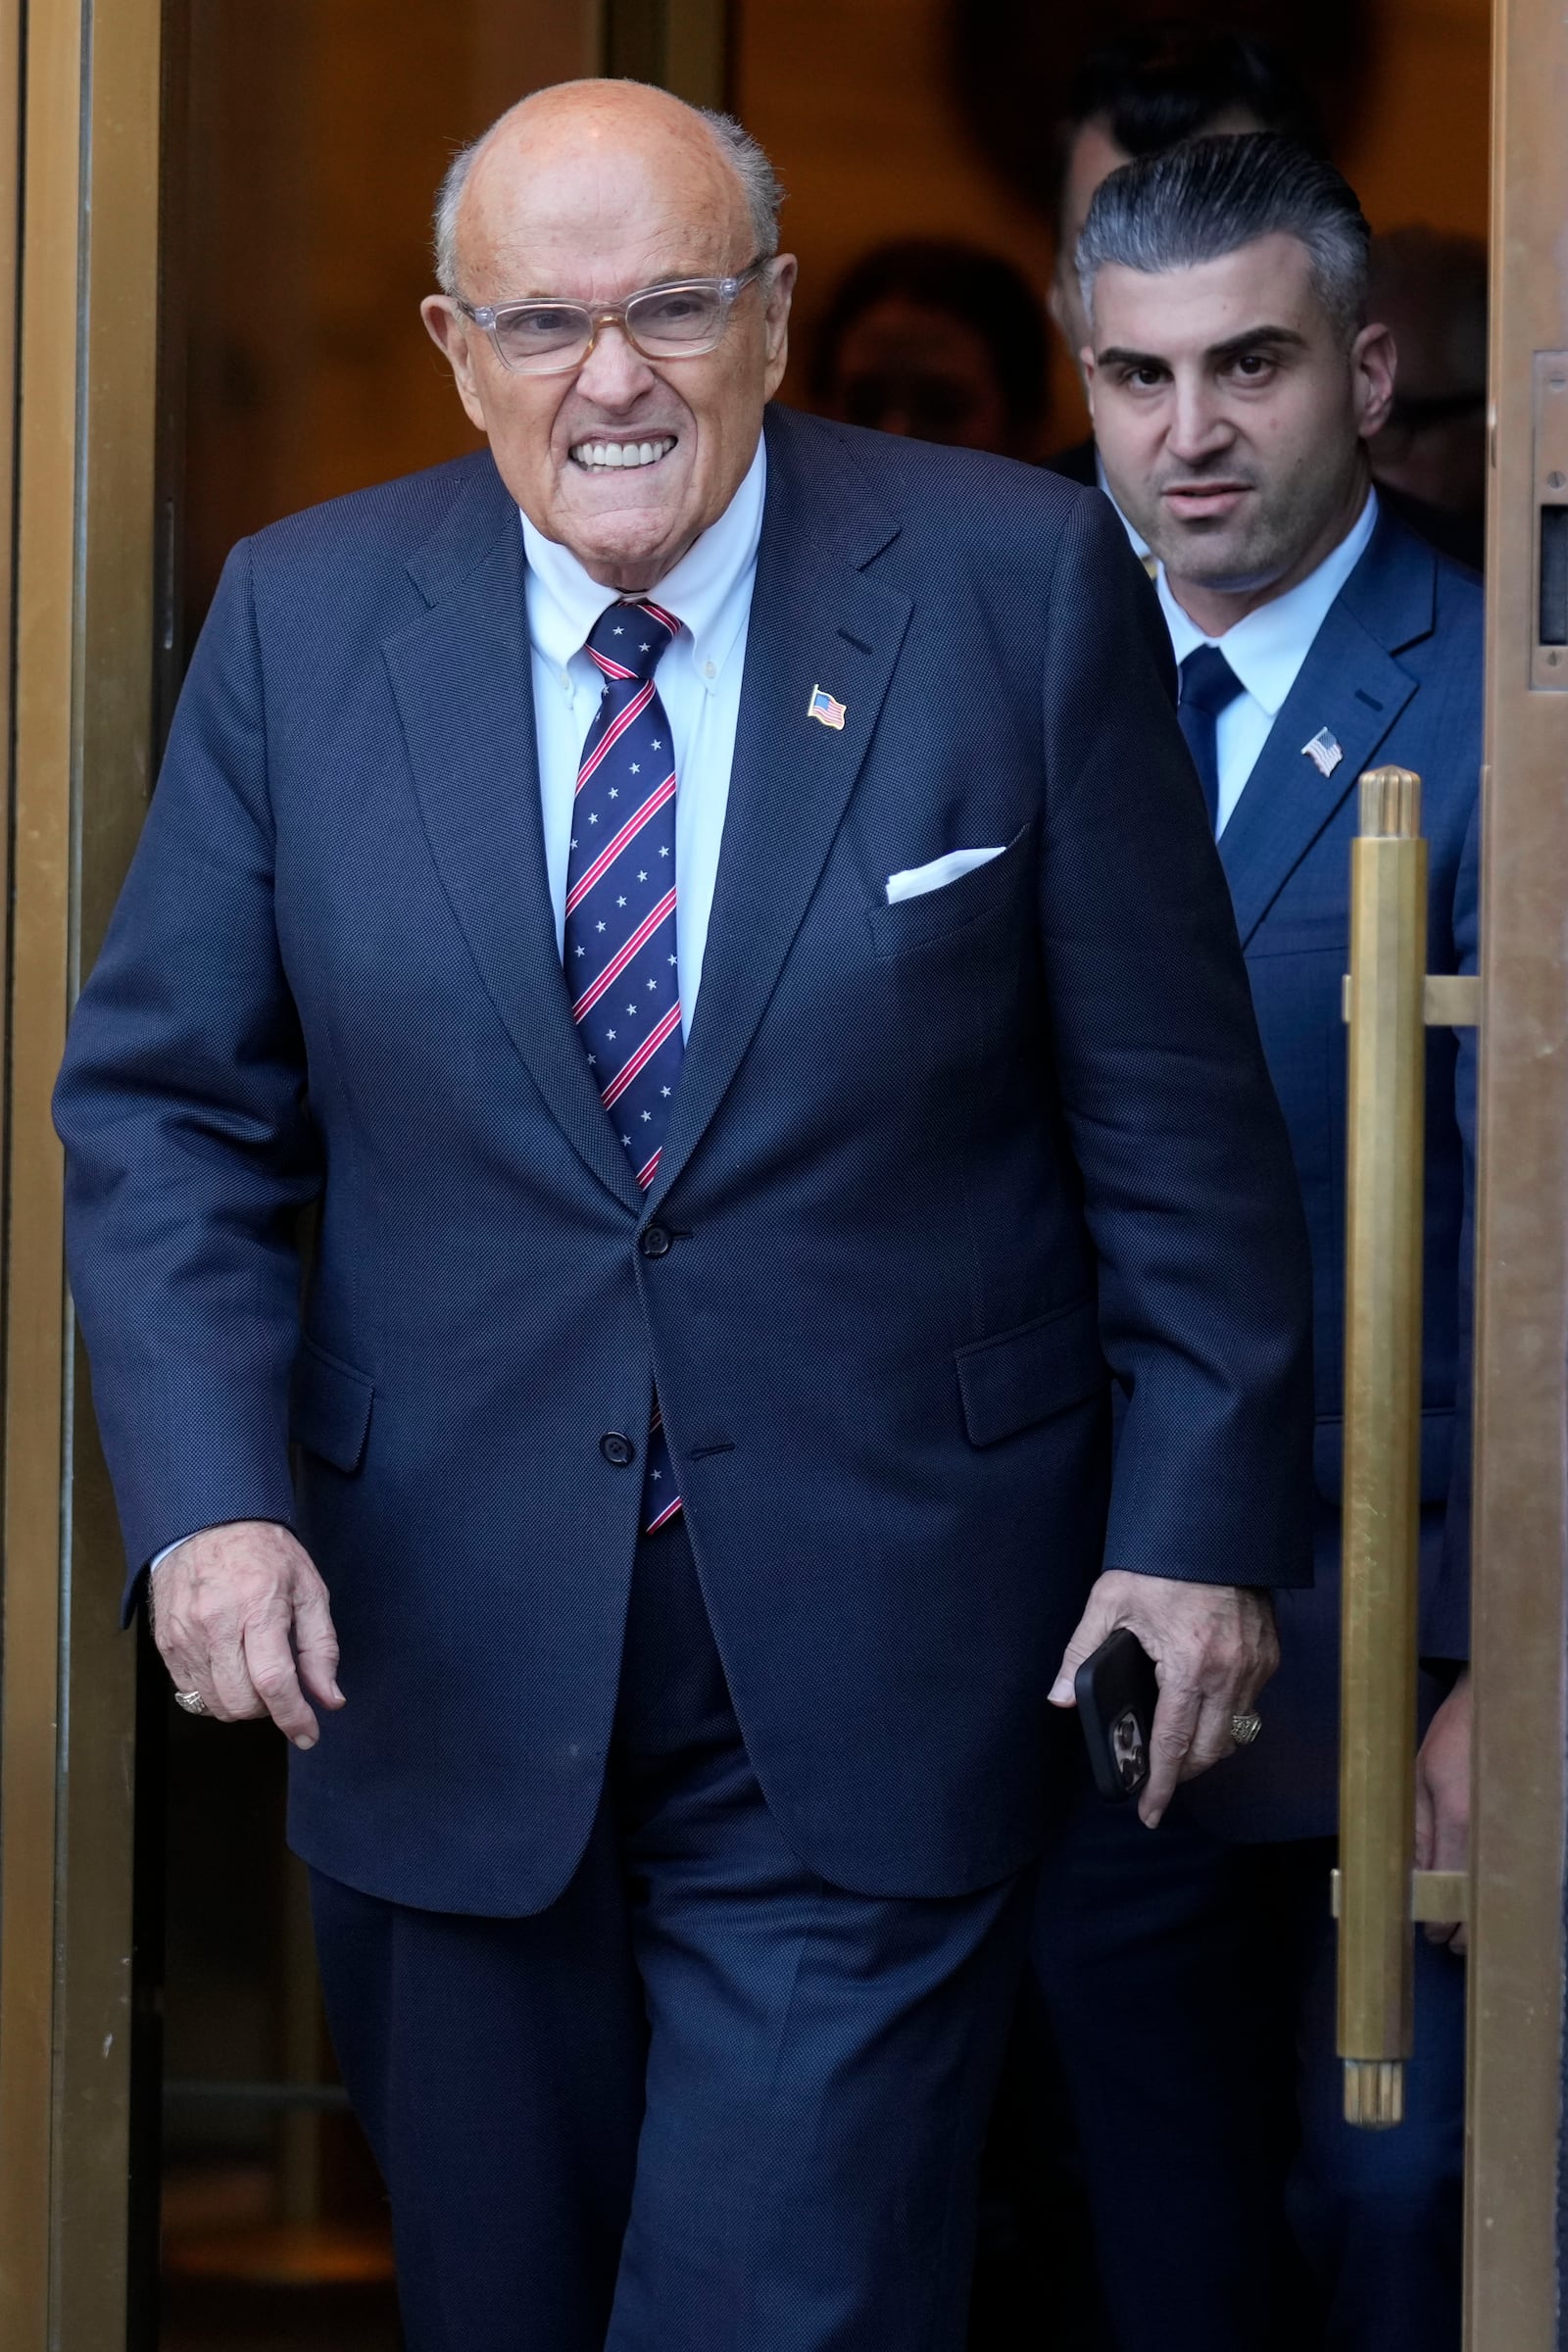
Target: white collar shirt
699, 680
1267, 651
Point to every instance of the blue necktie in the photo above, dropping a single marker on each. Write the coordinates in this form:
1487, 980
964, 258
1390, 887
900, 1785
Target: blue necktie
620, 940
1208, 686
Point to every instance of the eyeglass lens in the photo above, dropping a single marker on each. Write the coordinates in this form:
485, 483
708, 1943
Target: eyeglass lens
664, 323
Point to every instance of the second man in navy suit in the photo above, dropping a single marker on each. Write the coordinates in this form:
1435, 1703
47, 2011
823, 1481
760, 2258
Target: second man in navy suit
1235, 382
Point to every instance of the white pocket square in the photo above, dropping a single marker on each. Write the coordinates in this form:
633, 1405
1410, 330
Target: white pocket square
916, 880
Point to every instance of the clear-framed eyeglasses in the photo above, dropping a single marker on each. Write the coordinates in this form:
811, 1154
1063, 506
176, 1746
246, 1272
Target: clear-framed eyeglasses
677, 320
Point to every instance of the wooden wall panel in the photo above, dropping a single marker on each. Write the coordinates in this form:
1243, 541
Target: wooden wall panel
1421, 150
318, 132
849, 97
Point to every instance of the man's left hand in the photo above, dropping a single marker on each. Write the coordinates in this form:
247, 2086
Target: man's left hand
1443, 1798
1213, 1646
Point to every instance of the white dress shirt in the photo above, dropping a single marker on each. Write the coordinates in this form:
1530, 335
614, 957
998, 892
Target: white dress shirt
699, 681
1267, 651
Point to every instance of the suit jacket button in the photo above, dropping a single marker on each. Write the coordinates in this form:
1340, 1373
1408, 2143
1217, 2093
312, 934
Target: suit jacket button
617, 1449
655, 1242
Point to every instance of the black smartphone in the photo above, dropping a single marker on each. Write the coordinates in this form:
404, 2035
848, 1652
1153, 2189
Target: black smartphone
1117, 1693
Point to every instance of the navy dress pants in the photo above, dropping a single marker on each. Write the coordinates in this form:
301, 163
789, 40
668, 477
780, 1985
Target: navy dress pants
1190, 1986
706, 2102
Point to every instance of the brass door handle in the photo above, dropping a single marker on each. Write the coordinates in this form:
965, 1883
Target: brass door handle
1389, 1000
1452, 999
1438, 1898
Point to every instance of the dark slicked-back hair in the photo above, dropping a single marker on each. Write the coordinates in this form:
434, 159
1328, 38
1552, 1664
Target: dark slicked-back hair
1157, 84
1210, 197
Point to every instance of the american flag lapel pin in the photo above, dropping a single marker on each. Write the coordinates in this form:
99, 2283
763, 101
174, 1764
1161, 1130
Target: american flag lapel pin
1324, 752
822, 706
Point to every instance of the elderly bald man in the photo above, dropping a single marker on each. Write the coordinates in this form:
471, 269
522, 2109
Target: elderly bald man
714, 909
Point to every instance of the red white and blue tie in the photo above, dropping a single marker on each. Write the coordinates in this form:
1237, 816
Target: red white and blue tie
619, 939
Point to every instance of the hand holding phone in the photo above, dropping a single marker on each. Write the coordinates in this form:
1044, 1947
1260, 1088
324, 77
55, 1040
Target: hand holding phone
1118, 1692
1213, 1646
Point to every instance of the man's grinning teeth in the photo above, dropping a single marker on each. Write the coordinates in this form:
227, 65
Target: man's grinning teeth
594, 456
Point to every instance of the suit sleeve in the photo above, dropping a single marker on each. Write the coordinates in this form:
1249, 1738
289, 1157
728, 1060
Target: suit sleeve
190, 1151
1190, 1193
1444, 1628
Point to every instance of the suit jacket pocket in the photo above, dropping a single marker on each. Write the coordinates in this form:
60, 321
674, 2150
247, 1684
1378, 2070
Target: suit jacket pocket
329, 1406
1436, 1455
956, 905
1026, 1375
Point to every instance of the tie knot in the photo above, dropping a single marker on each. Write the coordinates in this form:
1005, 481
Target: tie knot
627, 640
1208, 682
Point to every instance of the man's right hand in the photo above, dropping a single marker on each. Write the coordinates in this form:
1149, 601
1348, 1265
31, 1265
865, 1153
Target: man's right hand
225, 1605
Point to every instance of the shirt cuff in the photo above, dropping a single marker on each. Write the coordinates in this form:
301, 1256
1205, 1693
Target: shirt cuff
159, 1557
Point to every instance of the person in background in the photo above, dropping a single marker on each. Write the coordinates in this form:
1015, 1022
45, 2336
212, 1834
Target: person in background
939, 340
1136, 95
1429, 287
1236, 385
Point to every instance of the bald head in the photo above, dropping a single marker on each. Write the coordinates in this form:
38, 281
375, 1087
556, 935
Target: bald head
578, 199
623, 119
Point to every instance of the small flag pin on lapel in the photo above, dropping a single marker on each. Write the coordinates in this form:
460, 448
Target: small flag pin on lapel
822, 706
1323, 751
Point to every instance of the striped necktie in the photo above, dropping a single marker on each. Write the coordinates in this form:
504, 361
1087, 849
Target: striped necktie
620, 940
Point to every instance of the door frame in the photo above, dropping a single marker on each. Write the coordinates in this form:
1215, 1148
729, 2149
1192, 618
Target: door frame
79, 141
1519, 1813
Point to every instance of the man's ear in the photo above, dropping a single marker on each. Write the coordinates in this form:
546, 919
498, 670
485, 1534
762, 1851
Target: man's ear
1064, 313
1374, 365
1086, 369
777, 317
452, 336
1061, 312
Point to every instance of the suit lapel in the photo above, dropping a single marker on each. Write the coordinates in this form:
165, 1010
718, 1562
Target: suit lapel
814, 622
1351, 684
462, 679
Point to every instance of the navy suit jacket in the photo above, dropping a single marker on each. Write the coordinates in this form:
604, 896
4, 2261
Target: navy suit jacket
1395, 675
933, 1167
